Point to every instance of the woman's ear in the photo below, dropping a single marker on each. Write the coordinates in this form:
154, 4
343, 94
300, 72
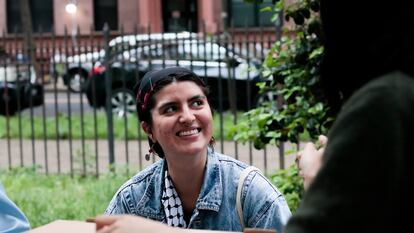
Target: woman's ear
147, 129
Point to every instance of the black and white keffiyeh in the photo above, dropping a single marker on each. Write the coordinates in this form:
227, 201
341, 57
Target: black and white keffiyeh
172, 204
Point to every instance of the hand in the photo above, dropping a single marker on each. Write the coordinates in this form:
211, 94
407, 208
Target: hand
132, 224
128, 224
309, 160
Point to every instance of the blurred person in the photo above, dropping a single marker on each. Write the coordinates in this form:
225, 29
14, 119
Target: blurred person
365, 171
12, 219
192, 186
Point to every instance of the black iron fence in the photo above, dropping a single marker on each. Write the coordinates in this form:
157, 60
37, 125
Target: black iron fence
68, 107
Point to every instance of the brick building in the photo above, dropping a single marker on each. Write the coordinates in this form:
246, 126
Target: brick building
213, 16
57, 31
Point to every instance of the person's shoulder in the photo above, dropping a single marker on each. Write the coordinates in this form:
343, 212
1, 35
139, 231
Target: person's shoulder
139, 192
400, 81
234, 167
401, 95
149, 171
388, 82
142, 178
226, 160
387, 89
392, 80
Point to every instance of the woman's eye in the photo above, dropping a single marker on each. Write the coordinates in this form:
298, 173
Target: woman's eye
197, 103
170, 109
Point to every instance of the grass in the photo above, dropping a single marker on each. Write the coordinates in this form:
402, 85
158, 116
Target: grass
44, 199
86, 127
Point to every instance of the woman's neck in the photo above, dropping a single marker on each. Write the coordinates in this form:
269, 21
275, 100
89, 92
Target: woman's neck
187, 175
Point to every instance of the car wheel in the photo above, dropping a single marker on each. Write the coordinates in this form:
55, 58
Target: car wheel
77, 80
123, 102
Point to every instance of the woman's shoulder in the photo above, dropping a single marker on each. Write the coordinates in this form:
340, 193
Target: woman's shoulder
232, 167
258, 195
229, 161
142, 179
140, 191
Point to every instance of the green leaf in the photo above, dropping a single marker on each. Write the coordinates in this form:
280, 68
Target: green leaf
265, 9
293, 66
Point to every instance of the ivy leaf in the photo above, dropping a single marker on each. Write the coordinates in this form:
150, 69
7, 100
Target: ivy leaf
293, 65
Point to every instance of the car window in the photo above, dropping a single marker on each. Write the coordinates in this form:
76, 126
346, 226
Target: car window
210, 51
195, 50
171, 49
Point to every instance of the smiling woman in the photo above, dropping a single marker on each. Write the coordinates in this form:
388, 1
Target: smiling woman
192, 186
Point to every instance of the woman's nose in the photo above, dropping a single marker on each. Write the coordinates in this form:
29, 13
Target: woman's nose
187, 115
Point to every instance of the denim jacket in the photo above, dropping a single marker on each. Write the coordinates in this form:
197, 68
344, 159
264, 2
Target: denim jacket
263, 205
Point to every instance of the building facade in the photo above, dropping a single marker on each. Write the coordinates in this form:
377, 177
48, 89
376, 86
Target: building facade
128, 16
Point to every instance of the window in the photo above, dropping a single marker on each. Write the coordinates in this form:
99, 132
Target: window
179, 15
244, 14
105, 11
41, 15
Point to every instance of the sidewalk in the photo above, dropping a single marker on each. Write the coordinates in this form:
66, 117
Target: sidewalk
58, 155
60, 86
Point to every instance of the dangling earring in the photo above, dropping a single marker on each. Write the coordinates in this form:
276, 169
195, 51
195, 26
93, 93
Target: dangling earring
211, 143
150, 153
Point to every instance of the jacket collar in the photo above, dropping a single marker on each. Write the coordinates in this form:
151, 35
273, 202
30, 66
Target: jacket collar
210, 196
150, 204
211, 193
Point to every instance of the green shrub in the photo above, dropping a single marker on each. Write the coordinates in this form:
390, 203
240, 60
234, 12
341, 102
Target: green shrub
293, 101
290, 184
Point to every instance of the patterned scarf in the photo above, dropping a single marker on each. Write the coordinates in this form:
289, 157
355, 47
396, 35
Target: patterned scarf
172, 204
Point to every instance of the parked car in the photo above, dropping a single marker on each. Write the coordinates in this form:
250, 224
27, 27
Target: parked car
18, 87
78, 67
74, 70
231, 78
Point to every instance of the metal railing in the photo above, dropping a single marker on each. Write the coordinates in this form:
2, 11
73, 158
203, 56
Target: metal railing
60, 115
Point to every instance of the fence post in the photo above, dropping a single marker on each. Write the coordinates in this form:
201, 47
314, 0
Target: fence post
108, 90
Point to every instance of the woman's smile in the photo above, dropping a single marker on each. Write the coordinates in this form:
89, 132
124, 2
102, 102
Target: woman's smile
188, 132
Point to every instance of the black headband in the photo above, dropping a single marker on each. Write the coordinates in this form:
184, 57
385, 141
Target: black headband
151, 78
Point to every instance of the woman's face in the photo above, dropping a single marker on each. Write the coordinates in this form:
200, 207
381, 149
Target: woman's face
182, 121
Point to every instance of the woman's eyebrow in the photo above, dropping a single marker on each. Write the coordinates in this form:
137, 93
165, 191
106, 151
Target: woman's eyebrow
196, 97
172, 103
167, 104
